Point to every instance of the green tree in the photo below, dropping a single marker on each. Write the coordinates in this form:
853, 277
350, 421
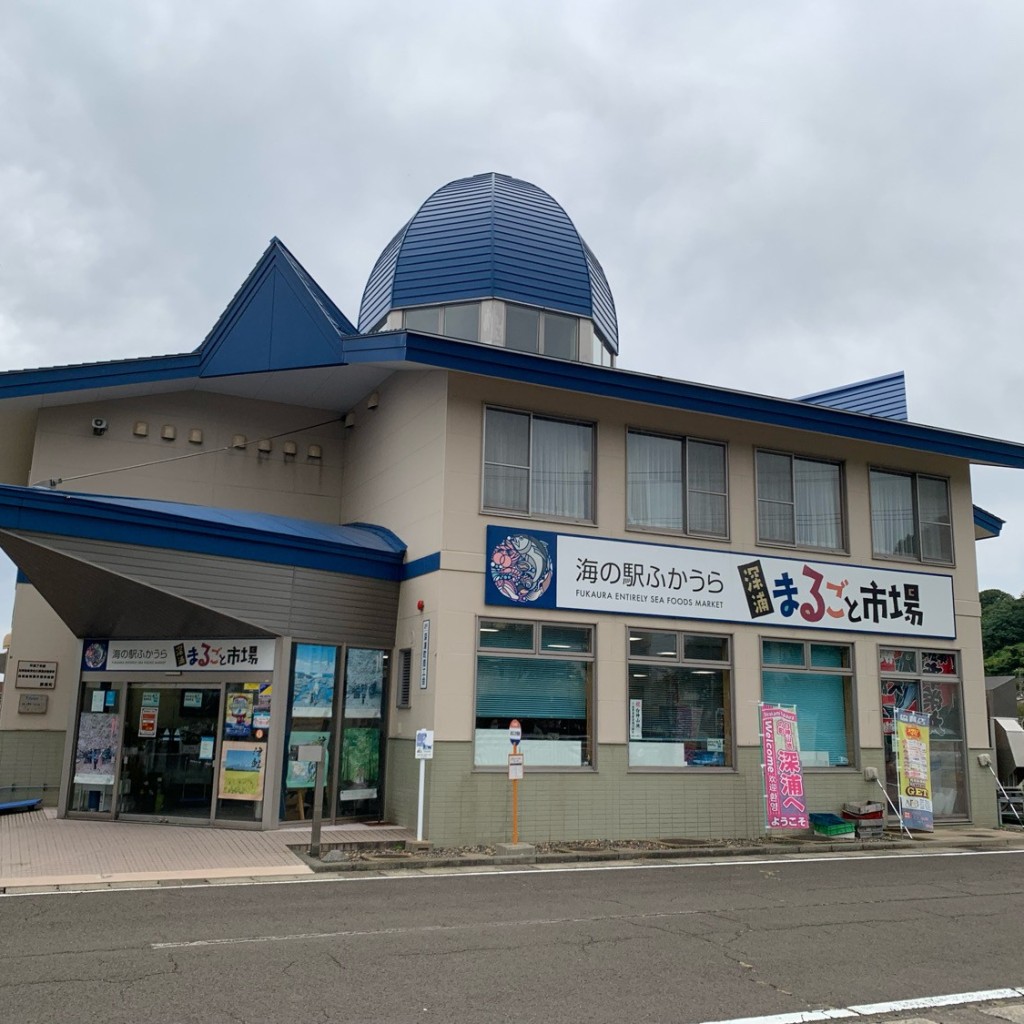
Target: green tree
1009, 661
1002, 621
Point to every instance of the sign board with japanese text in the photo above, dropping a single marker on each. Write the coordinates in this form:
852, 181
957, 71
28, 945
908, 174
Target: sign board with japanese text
198, 655
425, 654
515, 767
786, 806
913, 769
548, 570
36, 675
424, 744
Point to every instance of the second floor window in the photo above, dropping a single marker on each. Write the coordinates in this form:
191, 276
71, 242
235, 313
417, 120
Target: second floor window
677, 484
534, 465
910, 516
799, 502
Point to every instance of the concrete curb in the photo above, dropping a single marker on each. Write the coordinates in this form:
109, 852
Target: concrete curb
783, 848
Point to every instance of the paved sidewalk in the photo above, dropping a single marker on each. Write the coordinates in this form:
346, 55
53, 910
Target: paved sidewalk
39, 851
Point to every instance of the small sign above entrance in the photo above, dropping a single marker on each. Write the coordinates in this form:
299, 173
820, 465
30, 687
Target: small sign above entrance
196, 655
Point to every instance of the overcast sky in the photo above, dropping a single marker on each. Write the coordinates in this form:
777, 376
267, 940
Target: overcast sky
784, 196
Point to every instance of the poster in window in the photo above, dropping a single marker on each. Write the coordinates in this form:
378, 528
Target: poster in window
98, 736
238, 716
302, 774
241, 770
313, 681
261, 709
364, 683
360, 759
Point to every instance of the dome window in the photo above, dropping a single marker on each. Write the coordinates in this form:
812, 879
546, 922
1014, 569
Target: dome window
550, 334
458, 321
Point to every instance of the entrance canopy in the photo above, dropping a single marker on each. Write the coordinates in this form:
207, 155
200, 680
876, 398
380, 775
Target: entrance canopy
113, 566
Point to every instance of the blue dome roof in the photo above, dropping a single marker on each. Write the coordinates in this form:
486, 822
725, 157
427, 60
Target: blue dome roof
490, 236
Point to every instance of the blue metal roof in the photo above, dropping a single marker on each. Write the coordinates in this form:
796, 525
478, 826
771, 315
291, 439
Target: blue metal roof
987, 523
490, 236
359, 549
880, 396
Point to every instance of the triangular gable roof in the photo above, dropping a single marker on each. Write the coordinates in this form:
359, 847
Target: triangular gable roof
880, 396
280, 319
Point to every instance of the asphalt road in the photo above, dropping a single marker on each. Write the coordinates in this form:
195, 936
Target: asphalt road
692, 943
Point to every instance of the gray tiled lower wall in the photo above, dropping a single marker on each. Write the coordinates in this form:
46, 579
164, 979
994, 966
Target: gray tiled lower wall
30, 764
465, 808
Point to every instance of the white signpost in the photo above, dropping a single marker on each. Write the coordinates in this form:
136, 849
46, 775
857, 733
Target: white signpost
424, 753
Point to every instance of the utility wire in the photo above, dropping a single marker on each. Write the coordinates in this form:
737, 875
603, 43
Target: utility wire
57, 481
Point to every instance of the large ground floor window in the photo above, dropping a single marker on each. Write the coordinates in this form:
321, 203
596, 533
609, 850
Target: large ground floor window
928, 681
541, 674
818, 680
336, 702
680, 699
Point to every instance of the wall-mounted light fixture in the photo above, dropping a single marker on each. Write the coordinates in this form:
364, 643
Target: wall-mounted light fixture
373, 401
141, 428
238, 441
314, 451
350, 419
195, 436
264, 445
289, 448
168, 432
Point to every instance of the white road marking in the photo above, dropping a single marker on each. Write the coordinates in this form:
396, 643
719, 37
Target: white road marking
871, 1009
526, 870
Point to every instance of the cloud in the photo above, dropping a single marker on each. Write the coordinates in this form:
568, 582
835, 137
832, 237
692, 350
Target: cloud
784, 196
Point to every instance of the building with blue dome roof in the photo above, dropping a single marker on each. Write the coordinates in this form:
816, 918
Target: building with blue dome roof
455, 512
491, 258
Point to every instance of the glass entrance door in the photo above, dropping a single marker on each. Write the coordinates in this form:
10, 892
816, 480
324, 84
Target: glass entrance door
169, 754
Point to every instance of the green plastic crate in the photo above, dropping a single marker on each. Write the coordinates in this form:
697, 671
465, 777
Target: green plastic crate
831, 825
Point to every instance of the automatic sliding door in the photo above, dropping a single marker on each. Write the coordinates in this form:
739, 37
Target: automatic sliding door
169, 751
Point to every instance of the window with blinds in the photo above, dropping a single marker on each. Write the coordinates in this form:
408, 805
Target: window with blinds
542, 675
818, 680
680, 700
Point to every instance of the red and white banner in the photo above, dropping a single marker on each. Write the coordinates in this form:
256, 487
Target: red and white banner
783, 777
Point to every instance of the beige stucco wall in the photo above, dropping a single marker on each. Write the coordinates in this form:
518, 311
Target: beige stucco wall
17, 428
39, 635
67, 449
463, 554
395, 460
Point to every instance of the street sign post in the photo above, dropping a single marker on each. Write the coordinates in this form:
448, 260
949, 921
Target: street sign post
315, 752
424, 753
515, 773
